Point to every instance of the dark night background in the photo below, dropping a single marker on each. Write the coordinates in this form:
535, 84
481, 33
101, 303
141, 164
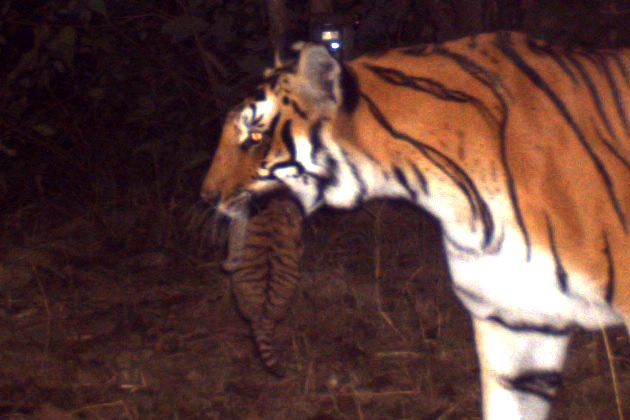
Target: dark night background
111, 301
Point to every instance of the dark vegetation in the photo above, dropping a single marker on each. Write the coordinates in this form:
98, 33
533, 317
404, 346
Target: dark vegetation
111, 301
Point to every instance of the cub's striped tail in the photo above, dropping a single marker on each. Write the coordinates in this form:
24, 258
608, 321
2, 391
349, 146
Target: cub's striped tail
264, 264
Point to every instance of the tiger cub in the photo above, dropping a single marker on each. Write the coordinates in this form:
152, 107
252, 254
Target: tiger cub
264, 253
519, 149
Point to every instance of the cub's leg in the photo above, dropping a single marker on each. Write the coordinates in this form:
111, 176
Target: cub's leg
520, 368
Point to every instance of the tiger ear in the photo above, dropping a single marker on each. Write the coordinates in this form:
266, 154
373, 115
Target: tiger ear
277, 59
322, 73
286, 53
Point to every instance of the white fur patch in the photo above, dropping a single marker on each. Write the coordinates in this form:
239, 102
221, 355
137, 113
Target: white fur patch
518, 290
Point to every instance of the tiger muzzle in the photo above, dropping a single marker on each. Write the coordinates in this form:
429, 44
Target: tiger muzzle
209, 195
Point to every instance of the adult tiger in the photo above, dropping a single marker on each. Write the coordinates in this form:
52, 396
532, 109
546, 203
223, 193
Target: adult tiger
520, 150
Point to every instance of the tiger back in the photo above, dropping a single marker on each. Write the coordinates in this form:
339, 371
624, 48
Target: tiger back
519, 149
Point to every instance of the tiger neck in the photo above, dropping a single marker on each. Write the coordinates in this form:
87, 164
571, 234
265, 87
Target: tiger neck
464, 215
377, 157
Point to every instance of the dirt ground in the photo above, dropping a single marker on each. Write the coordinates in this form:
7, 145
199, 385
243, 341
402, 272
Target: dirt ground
91, 330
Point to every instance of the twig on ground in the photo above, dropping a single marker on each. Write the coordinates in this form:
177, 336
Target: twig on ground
613, 373
46, 308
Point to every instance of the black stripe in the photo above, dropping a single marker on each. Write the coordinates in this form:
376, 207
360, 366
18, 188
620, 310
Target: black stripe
262, 248
610, 147
594, 93
540, 383
357, 176
298, 110
480, 73
621, 65
272, 127
526, 327
315, 136
323, 183
272, 80
256, 120
431, 87
252, 271
248, 144
418, 50
259, 94
469, 295
287, 139
559, 60
263, 337
561, 274
286, 164
421, 178
603, 63
432, 154
402, 180
454, 172
498, 242
459, 247
368, 155
494, 83
503, 44
610, 284
422, 84
537, 48
269, 177
349, 90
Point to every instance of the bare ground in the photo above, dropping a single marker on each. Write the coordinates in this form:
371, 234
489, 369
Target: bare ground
95, 329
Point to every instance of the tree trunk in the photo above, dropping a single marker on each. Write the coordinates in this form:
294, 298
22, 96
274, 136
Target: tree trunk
321, 6
278, 20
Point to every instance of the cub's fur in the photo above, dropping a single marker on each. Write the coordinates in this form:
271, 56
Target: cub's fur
264, 253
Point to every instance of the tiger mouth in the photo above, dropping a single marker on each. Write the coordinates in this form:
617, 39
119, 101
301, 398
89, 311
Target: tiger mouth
236, 206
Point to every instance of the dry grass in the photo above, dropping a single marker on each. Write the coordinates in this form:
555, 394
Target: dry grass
97, 328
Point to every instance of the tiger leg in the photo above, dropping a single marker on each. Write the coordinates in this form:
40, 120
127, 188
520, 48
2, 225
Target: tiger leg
520, 369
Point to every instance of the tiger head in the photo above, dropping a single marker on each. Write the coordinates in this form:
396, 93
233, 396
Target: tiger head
273, 139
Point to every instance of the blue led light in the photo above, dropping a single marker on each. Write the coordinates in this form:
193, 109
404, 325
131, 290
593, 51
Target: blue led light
335, 45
